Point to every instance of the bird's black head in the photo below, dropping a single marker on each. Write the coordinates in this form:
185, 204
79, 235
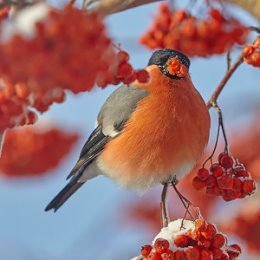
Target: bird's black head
172, 63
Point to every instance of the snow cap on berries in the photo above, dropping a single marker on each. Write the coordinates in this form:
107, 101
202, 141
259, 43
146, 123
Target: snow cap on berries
174, 229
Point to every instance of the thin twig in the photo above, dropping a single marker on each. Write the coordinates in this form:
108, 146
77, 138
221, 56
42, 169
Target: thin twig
228, 59
223, 82
255, 29
183, 200
107, 7
20, 3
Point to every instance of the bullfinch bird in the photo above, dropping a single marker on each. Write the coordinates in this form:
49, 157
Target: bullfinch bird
146, 133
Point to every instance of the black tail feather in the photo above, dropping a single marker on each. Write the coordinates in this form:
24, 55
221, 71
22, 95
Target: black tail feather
63, 195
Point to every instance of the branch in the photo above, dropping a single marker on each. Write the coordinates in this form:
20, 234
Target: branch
18, 3
223, 82
107, 7
255, 29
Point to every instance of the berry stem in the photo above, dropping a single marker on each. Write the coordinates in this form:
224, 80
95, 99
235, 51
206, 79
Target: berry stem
223, 82
223, 130
186, 203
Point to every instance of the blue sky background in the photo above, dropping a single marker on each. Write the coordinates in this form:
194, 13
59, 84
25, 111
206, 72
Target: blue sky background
90, 224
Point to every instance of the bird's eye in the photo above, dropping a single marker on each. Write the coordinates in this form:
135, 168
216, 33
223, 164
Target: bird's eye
174, 67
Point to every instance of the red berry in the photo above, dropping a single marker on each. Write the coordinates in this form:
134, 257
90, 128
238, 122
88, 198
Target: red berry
234, 250
31, 117
216, 15
229, 195
212, 191
161, 245
192, 253
210, 232
248, 50
198, 184
221, 155
167, 255
226, 161
237, 184
216, 253
128, 79
248, 186
241, 173
142, 76
211, 181
124, 70
219, 240
146, 250
204, 243
122, 56
225, 182
205, 255
257, 42
203, 173
154, 256
180, 255
216, 170
224, 256
182, 241
194, 234
200, 224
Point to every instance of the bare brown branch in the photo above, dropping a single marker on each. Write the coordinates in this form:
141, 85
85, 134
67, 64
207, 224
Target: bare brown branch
19, 3
107, 7
224, 81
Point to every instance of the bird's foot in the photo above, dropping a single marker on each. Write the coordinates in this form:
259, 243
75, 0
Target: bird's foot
163, 205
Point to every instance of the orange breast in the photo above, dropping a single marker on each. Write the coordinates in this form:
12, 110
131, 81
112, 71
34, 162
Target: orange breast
165, 136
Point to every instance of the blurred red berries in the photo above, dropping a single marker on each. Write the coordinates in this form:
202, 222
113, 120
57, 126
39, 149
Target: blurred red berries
227, 178
191, 35
123, 72
246, 225
32, 151
59, 56
14, 109
4, 12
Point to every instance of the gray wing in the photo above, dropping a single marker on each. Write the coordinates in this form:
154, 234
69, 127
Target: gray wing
118, 108
111, 119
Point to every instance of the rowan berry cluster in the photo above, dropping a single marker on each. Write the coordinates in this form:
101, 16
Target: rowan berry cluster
191, 35
199, 241
29, 151
227, 178
123, 72
251, 53
176, 68
59, 56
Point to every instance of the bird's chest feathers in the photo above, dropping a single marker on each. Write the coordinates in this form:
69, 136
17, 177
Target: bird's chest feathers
153, 143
